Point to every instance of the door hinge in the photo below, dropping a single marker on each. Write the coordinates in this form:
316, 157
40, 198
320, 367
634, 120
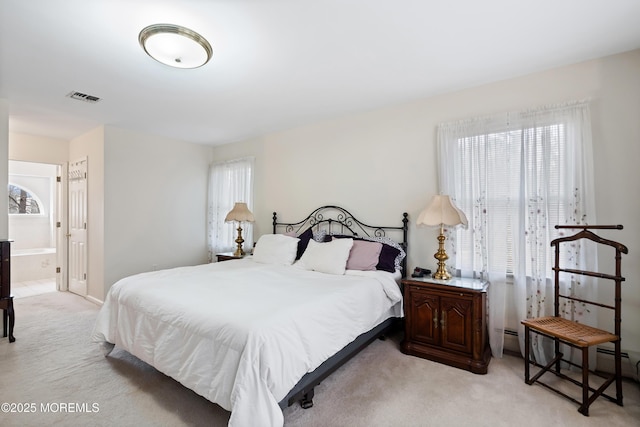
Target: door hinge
58, 179
84, 276
58, 225
85, 225
57, 269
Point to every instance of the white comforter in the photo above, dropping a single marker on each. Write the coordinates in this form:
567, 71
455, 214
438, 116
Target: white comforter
240, 333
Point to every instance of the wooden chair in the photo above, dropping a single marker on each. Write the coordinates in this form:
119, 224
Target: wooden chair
575, 334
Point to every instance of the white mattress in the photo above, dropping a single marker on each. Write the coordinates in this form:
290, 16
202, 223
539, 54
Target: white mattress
240, 333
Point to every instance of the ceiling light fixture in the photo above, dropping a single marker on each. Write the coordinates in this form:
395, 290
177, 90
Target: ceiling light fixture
175, 46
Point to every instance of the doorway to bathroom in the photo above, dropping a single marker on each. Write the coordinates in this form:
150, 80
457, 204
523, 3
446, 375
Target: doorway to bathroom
33, 218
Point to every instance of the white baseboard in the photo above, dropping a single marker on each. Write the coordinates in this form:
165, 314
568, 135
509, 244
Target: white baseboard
94, 300
606, 363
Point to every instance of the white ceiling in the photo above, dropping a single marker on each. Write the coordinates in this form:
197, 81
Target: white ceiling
278, 64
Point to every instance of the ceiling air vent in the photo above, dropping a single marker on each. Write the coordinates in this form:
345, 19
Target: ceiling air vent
83, 97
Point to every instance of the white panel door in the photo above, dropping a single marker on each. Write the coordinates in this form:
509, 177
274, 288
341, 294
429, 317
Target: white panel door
77, 230
62, 283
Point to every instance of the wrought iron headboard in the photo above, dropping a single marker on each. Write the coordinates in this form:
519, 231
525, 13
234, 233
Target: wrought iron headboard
337, 220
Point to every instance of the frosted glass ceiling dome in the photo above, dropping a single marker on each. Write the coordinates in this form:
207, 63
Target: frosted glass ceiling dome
175, 46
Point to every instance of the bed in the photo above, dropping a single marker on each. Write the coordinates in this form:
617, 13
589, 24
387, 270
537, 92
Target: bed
257, 334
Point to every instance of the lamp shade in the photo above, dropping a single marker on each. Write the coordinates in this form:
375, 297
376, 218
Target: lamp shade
442, 211
240, 213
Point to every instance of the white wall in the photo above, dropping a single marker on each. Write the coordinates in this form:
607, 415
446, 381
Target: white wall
38, 149
155, 203
381, 163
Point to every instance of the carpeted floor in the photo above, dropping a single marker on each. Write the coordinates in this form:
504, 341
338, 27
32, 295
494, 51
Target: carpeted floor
55, 373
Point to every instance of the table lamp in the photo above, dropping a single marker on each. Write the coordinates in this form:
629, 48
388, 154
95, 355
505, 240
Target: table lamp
239, 213
441, 211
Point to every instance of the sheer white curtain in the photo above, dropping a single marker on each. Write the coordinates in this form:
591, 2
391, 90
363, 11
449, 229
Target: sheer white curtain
229, 182
517, 175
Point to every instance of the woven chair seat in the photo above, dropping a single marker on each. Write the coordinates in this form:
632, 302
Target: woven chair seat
576, 333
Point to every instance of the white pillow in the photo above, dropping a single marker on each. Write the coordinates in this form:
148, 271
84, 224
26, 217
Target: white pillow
330, 257
276, 249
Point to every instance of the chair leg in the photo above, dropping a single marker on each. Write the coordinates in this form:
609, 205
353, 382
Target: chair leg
556, 347
618, 356
527, 343
584, 409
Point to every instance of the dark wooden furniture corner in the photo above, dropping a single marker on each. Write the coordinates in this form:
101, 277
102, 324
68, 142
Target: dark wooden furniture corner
6, 299
226, 256
445, 321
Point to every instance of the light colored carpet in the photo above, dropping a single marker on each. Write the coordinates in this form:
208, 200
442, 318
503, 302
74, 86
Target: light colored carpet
53, 363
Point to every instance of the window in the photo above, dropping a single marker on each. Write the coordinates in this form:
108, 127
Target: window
516, 176
22, 201
229, 182
503, 163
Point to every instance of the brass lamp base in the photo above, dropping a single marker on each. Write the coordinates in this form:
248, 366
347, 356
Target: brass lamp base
441, 273
239, 241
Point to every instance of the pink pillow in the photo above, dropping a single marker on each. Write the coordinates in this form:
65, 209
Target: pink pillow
364, 255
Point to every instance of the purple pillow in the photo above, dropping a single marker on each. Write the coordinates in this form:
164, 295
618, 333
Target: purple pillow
387, 260
364, 255
304, 242
388, 254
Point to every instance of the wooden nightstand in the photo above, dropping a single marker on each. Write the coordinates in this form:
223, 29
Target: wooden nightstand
226, 256
445, 321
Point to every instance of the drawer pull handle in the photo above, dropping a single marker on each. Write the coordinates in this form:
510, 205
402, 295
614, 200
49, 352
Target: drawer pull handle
443, 322
435, 319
